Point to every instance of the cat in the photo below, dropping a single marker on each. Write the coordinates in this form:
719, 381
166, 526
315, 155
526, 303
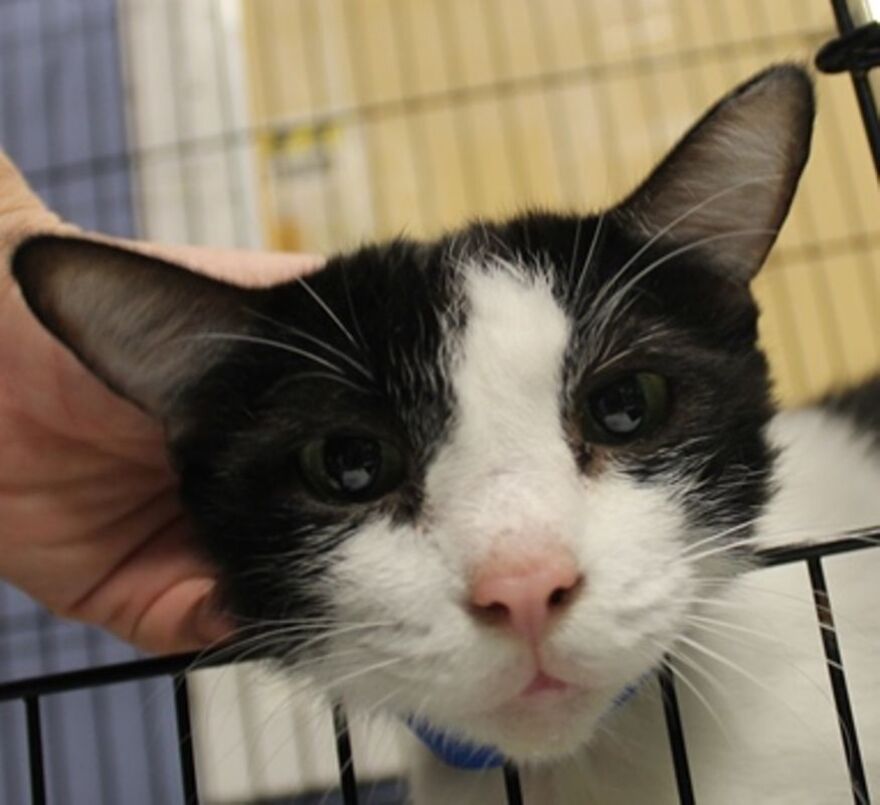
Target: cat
486, 483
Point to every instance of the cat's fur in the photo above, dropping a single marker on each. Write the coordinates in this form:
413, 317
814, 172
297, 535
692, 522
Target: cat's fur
475, 355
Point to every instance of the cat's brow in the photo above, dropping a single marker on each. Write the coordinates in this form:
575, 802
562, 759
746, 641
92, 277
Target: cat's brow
269, 342
289, 328
612, 305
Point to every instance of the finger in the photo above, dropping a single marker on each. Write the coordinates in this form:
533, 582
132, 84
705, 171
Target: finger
21, 213
186, 617
160, 596
238, 266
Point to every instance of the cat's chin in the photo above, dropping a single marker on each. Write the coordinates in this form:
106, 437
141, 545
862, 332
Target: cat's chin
545, 722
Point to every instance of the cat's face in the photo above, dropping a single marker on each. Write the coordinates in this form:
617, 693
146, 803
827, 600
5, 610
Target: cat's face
482, 480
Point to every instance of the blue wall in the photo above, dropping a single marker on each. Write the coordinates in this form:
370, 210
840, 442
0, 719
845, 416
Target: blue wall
62, 120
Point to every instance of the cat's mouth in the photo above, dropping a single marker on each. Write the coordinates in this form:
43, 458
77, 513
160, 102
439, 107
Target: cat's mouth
544, 683
544, 693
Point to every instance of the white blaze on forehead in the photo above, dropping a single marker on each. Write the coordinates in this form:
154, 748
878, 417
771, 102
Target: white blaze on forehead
506, 453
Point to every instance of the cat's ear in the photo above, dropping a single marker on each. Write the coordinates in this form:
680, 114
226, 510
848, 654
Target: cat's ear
142, 325
725, 188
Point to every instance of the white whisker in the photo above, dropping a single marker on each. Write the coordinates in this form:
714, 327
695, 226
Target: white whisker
268, 342
326, 308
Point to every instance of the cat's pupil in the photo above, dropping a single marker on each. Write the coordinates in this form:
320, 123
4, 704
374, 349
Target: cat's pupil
629, 407
621, 407
352, 463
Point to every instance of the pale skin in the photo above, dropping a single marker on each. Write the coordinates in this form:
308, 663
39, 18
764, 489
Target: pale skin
90, 522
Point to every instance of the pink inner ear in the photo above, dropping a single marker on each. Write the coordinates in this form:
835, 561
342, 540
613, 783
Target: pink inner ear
725, 189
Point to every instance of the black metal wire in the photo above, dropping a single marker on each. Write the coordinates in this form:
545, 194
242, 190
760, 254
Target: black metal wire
175, 666
49, 684
512, 785
185, 742
347, 778
864, 94
851, 541
838, 682
35, 750
675, 731
858, 50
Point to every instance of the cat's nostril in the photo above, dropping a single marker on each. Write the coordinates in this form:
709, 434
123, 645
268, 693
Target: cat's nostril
524, 599
562, 596
557, 597
496, 613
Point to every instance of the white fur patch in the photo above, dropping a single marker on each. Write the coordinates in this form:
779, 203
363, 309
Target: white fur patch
829, 476
506, 482
506, 383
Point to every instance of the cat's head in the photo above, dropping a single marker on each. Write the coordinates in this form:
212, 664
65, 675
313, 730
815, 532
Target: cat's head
482, 479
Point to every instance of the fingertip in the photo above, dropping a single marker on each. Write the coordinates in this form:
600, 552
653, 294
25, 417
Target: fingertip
212, 625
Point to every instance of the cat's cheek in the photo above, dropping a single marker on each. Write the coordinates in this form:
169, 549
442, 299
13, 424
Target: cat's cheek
633, 537
391, 572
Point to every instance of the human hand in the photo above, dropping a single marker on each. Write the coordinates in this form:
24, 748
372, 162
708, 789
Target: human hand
90, 522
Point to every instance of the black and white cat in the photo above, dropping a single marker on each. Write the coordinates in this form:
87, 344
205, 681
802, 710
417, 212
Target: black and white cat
490, 481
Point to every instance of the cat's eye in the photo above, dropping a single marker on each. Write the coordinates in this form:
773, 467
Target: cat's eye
629, 407
351, 468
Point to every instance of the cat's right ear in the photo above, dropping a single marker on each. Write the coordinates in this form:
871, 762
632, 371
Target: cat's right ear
146, 327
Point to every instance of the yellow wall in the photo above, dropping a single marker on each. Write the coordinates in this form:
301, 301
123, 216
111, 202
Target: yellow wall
382, 116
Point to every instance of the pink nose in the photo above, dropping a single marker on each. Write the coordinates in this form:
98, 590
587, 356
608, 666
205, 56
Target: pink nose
525, 594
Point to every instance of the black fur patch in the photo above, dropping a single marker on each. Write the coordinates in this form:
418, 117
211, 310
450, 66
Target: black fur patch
861, 405
399, 302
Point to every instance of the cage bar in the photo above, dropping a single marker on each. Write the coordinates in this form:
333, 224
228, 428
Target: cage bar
35, 750
347, 777
864, 94
512, 785
834, 662
675, 731
108, 674
851, 541
185, 742
30, 690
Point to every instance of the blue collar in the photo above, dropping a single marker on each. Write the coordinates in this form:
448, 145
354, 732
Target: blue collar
461, 754
455, 752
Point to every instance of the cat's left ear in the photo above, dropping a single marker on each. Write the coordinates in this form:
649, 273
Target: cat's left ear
725, 189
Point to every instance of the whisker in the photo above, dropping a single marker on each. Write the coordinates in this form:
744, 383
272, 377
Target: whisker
574, 251
612, 305
753, 679
589, 261
268, 342
326, 308
698, 695
729, 547
680, 219
718, 535
705, 622
343, 381
299, 333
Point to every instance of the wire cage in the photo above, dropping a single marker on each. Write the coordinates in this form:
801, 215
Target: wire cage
316, 124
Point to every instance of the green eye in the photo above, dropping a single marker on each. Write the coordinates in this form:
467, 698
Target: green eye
351, 469
627, 408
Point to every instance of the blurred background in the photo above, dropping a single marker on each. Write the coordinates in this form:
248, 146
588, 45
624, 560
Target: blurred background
315, 125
